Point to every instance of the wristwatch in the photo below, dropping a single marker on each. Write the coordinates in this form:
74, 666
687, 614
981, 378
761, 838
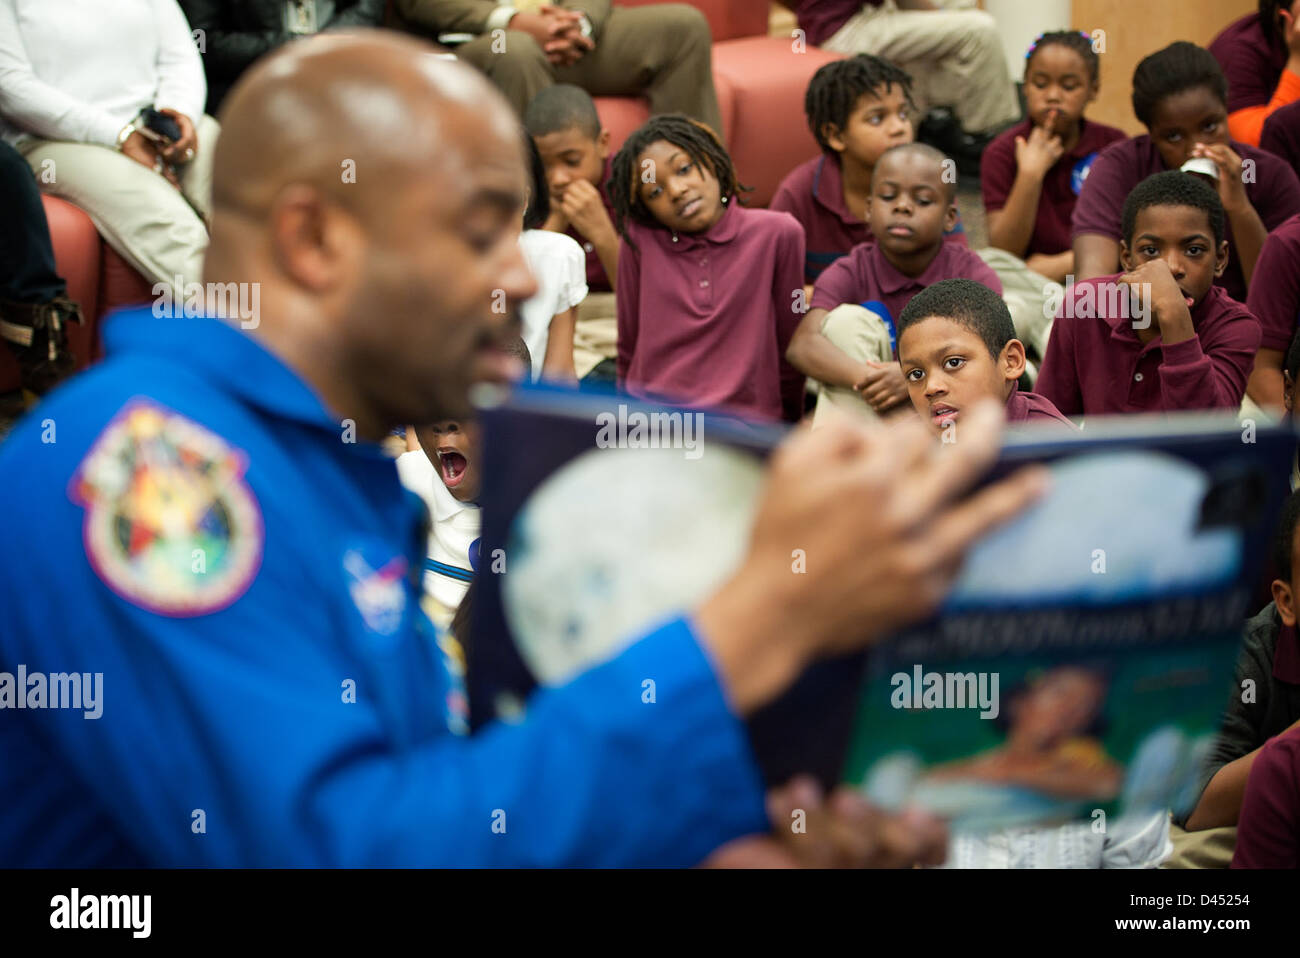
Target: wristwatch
125, 133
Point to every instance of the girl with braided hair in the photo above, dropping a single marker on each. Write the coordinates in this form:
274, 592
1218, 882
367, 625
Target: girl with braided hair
708, 292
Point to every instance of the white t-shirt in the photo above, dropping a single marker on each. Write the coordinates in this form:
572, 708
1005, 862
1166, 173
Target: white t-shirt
560, 266
453, 532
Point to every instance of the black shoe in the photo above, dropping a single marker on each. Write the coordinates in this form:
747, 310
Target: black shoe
941, 130
38, 336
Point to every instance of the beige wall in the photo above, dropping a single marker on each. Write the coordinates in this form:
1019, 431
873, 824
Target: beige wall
1020, 21
1135, 28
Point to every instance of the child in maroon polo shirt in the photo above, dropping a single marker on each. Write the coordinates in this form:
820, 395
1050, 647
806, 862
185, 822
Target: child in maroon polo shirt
1269, 666
1260, 56
849, 347
565, 127
1160, 336
1180, 95
1275, 301
1032, 174
708, 291
956, 346
857, 108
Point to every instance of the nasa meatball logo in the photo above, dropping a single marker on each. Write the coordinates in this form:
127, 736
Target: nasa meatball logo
171, 524
377, 587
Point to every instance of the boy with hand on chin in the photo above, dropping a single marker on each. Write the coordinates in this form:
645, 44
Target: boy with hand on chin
565, 127
1170, 338
956, 346
846, 339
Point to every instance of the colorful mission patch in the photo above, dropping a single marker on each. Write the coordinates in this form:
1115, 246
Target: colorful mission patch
171, 525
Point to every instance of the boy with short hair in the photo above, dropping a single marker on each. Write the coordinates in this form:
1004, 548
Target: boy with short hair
1185, 344
956, 346
849, 347
857, 109
565, 127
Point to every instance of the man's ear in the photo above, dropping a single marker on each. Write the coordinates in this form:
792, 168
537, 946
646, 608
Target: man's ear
1285, 601
1125, 256
315, 242
1221, 259
602, 144
1012, 360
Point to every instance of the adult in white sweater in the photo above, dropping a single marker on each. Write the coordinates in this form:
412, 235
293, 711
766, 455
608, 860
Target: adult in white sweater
74, 77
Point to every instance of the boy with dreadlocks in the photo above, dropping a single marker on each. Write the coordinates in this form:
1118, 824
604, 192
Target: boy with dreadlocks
707, 290
857, 109
1181, 97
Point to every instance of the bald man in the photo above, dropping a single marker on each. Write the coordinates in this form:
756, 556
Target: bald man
213, 650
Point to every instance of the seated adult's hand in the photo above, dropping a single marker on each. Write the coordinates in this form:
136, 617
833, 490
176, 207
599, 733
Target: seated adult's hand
139, 148
183, 150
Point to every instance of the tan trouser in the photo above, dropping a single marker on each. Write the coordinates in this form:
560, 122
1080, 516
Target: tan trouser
1026, 294
144, 218
662, 52
954, 57
860, 334
595, 335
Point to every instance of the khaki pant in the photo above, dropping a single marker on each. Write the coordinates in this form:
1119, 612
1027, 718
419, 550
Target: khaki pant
862, 335
663, 52
954, 57
1026, 294
144, 218
1209, 848
595, 335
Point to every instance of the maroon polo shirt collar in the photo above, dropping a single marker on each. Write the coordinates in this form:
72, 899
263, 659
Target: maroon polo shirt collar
892, 281
723, 231
828, 189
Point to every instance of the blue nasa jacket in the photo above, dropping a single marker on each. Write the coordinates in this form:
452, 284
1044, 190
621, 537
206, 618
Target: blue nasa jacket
187, 521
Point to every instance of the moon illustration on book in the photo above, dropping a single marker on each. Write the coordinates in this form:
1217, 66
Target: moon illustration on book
1112, 526
617, 541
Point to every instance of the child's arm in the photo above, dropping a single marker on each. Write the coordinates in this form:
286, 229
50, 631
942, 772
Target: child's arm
585, 212
627, 295
1275, 302
1012, 226
1094, 255
1220, 803
558, 362
1248, 231
1237, 743
1194, 375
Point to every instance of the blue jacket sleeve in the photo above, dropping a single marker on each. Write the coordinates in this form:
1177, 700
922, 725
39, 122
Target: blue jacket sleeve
241, 715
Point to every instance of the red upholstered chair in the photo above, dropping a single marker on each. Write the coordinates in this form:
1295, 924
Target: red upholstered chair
760, 81
98, 281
